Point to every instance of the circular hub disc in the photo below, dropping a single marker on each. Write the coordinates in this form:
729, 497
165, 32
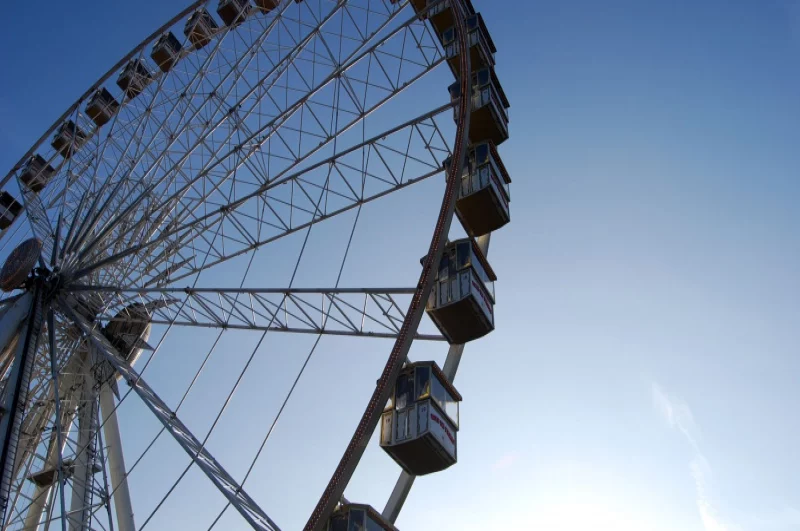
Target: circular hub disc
19, 264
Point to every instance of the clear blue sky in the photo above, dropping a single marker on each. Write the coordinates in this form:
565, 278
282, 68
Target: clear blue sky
644, 372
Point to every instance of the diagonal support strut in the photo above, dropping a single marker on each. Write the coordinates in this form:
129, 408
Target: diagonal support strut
228, 486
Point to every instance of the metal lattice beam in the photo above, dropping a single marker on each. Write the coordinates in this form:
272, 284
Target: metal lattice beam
358, 312
217, 184
228, 486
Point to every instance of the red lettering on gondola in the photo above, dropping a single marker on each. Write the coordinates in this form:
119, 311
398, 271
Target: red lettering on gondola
481, 292
441, 423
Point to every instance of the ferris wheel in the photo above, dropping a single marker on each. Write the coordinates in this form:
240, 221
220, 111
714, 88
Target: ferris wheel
207, 195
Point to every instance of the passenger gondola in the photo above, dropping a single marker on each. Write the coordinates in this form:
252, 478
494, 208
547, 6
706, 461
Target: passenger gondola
134, 78
10, 209
420, 422
483, 193
200, 28
37, 173
461, 303
358, 517
233, 12
481, 45
68, 139
266, 6
166, 51
489, 117
102, 107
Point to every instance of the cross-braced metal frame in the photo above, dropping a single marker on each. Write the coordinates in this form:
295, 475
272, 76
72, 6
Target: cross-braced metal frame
280, 123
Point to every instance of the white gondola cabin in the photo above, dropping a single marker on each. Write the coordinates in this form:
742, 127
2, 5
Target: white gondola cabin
37, 173
266, 5
358, 517
461, 304
481, 46
68, 139
484, 194
166, 51
9, 210
200, 28
134, 78
102, 107
233, 12
489, 118
420, 422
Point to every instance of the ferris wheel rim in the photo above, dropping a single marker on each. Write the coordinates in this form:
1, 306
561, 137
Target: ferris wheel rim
114, 69
341, 476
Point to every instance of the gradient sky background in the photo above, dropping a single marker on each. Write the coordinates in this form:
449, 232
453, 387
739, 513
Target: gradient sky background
644, 371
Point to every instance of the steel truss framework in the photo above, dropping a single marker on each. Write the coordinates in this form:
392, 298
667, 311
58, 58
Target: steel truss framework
274, 127
373, 312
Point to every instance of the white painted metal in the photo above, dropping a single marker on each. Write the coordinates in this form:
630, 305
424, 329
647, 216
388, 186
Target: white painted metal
42, 494
116, 461
11, 319
131, 201
83, 475
246, 506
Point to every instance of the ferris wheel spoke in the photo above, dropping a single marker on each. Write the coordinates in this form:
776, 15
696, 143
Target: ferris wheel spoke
225, 167
65, 171
246, 506
374, 312
408, 153
56, 445
207, 81
277, 123
143, 118
40, 224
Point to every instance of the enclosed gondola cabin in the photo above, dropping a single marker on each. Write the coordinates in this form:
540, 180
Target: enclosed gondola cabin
461, 303
484, 194
420, 422
200, 28
481, 46
102, 107
166, 51
37, 173
134, 78
265, 6
489, 118
358, 517
441, 14
418, 5
233, 12
68, 139
10, 209
440, 11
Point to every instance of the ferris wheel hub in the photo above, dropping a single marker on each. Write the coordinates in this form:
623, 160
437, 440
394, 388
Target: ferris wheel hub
19, 264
